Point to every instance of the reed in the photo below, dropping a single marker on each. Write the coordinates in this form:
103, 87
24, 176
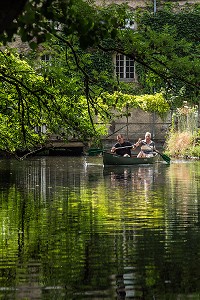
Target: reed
180, 143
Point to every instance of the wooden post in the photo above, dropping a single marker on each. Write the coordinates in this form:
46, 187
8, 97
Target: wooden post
127, 132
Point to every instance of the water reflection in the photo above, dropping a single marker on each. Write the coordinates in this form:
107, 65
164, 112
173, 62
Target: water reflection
140, 176
72, 229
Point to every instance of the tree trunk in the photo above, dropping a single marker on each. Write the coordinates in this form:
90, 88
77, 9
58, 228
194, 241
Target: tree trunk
199, 115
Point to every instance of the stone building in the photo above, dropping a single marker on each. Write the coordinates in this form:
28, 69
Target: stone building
138, 121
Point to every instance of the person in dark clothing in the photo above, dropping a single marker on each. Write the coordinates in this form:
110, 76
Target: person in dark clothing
122, 147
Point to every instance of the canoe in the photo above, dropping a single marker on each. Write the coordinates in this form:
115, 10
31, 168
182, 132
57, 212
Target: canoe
114, 159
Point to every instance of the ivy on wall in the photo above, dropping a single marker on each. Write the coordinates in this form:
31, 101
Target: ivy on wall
149, 103
182, 23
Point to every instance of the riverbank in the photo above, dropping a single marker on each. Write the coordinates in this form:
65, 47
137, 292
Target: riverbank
183, 145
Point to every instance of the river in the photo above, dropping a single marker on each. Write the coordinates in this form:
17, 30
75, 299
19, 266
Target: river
73, 229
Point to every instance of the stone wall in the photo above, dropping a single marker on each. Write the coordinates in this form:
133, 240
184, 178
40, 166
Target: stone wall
131, 3
19, 45
136, 125
141, 3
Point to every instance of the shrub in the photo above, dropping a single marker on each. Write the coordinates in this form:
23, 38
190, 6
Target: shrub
179, 143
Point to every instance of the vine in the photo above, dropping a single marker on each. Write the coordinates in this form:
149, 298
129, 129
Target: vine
149, 103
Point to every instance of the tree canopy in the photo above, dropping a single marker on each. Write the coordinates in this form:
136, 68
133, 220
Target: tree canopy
81, 37
10, 11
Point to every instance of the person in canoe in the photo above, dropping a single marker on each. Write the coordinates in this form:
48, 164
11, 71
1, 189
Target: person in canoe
147, 146
122, 147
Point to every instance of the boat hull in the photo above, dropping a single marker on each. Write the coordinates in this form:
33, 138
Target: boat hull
113, 159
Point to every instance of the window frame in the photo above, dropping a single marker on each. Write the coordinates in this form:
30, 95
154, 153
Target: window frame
124, 68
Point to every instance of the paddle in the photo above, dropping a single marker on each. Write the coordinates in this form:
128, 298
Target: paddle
164, 156
95, 151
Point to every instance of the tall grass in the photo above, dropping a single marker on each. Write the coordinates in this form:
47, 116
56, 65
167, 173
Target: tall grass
180, 143
184, 137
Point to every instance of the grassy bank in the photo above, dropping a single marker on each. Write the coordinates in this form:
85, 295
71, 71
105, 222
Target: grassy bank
183, 145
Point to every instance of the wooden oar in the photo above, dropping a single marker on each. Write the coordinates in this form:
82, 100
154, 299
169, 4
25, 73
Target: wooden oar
164, 156
94, 151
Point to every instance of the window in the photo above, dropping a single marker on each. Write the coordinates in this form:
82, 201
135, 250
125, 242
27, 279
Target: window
130, 24
46, 58
41, 129
45, 61
124, 68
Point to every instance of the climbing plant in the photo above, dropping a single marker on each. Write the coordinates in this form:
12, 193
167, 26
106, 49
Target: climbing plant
174, 45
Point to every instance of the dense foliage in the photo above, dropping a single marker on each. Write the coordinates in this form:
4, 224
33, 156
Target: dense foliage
70, 17
56, 98
174, 44
29, 100
149, 103
166, 48
78, 86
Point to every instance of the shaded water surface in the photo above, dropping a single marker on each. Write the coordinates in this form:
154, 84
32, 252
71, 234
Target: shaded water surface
72, 229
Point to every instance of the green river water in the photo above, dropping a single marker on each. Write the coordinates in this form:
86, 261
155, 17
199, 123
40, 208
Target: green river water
73, 229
